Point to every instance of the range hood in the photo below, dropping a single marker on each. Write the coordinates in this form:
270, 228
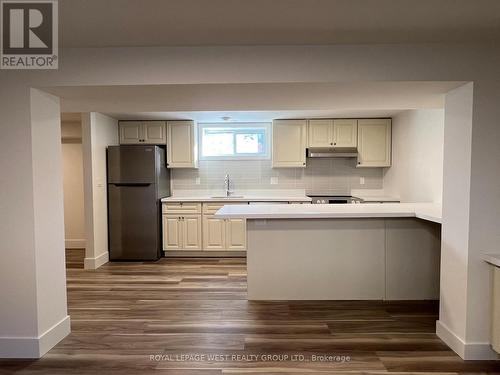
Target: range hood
337, 152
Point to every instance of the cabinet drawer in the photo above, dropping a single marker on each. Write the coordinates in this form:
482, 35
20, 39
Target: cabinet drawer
181, 208
212, 208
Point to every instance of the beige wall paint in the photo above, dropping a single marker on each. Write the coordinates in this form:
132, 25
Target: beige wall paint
416, 174
99, 131
74, 215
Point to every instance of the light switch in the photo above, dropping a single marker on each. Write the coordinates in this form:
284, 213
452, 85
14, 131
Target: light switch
361, 180
197, 181
274, 180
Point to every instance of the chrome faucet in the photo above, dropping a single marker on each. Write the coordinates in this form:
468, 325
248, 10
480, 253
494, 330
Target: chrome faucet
227, 183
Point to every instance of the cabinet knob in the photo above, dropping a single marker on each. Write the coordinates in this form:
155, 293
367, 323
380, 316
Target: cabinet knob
335, 144
331, 144
303, 163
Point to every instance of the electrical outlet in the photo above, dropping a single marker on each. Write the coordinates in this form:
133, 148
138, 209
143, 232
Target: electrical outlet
274, 180
361, 180
197, 181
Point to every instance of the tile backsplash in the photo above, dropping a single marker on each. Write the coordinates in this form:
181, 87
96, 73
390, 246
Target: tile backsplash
335, 176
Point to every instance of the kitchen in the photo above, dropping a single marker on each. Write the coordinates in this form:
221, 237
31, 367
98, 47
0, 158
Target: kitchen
303, 164
332, 209
362, 213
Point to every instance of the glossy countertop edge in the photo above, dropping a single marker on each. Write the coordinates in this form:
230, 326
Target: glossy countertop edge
493, 259
424, 211
247, 198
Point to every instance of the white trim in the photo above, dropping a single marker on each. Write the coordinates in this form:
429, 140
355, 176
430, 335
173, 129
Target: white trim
467, 351
95, 263
74, 244
203, 254
35, 347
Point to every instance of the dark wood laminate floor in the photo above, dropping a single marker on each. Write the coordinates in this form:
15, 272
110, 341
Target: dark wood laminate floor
124, 313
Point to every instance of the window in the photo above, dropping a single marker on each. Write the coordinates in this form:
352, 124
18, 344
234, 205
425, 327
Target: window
234, 141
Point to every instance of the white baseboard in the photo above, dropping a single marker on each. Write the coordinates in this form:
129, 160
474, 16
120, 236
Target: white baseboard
467, 351
74, 244
35, 347
95, 263
203, 254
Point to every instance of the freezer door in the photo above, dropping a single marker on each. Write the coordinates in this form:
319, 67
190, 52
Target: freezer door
131, 164
134, 220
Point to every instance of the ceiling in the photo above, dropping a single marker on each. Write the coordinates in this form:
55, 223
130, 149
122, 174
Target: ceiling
253, 102
97, 23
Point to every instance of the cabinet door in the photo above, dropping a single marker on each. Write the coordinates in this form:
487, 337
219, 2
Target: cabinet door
345, 133
181, 148
172, 233
320, 133
213, 233
374, 143
130, 132
154, 132
289, 143
191, 232
236, 234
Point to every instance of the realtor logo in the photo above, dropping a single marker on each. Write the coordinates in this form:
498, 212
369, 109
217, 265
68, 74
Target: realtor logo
29, 34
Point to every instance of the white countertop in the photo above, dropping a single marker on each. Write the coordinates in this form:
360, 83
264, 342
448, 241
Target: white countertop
245, 198
376, 198
426, 211
289, 195
493, 259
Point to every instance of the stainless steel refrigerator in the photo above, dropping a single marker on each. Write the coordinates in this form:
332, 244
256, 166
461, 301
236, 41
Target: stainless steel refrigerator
137, 179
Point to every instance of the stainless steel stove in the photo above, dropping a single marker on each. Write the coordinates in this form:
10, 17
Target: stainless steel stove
334, 199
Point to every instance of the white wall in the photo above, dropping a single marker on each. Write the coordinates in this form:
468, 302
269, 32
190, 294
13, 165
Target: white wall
416, 174
328, 176
74, 215
99, 131
33, 313
456, 204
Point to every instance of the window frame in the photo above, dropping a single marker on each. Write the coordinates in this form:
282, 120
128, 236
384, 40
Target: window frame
236, 125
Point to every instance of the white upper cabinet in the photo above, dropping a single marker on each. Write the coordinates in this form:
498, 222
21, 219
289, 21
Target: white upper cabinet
332, 133
143, 132
130, 132
289, 143
345, 133
320, 133
154, 132
181, 145
374, 143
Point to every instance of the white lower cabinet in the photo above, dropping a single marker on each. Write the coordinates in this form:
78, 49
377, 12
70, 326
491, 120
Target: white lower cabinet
182, 232
191, 232
172, 232
236, 234
193, 227
223, 234
213, 233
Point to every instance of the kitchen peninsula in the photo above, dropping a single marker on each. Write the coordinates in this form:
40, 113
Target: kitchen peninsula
366, 251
